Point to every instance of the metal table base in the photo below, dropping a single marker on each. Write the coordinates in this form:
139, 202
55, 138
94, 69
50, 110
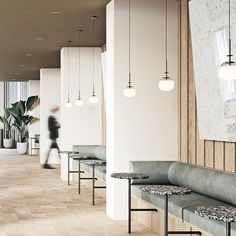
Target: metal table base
166, 221
130, 209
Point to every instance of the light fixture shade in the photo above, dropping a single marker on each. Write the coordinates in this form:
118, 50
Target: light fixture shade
227, 71
129, 92
79, 102
68, 104
166, 84
93, 99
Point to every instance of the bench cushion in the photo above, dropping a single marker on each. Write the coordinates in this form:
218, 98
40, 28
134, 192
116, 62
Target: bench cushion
183, 207
213, 183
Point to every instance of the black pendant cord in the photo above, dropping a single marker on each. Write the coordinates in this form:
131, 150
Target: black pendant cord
230, 48
130, 82
166, 38
79, 74
68, 71
93, 18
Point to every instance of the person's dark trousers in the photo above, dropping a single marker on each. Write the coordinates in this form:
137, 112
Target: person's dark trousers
53, 145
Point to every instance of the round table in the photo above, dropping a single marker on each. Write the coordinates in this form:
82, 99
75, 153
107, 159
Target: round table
166, 190
226, 214
94, 163
130, 177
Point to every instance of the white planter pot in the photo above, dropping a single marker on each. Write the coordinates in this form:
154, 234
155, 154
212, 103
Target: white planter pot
22, 148
8, 143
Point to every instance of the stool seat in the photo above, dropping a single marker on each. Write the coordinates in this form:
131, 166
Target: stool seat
220, 213
166, 190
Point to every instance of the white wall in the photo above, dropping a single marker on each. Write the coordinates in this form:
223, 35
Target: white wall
80, 125
34, 89
49, 96
144, 127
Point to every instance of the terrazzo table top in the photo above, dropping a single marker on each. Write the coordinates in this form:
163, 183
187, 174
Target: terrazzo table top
125, 175
96, 163
220, 213
166, 190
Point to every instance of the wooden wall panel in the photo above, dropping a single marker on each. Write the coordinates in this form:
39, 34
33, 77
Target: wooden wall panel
211, 154
184, 80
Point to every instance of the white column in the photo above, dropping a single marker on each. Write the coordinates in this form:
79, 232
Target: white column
49, 96
143, 127
80, 124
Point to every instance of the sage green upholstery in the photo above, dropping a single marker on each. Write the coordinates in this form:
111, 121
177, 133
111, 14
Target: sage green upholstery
98, 151
209, 188
213, 183
92, 151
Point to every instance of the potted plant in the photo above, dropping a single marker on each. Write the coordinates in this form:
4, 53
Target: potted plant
20, 113
6, 119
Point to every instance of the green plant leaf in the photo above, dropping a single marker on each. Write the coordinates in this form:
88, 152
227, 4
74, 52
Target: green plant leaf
30, 102
21, 108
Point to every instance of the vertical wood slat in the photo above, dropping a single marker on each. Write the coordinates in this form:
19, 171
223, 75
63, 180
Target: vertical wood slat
179, 83
219, 155
184, 81
200, 151
230, 157
209, 154
192, 110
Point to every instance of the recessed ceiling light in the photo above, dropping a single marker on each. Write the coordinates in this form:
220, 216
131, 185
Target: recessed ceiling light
17, 73
29, 54
39, 38
22, 65
56, 12
13, 79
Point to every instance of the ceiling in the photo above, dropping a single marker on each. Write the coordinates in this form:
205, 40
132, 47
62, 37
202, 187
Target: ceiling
22, 21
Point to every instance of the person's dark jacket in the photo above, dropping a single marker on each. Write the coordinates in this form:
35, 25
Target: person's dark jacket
53, 127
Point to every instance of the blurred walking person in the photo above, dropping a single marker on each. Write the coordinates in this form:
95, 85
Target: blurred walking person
53, 127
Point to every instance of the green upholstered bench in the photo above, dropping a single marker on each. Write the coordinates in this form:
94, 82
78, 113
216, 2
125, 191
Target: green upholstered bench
209, 188
97, 151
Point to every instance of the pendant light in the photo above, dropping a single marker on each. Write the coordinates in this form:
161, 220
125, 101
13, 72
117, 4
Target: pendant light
227, 70
166, 83
93, 98
68, 103
129, 91
79, 101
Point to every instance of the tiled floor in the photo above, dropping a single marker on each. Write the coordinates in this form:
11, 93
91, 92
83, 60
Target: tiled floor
34, 201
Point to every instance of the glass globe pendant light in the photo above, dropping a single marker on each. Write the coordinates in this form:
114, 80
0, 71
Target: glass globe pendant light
129, 91
227, 70
93, 99
68, 103
166, 83
79, 101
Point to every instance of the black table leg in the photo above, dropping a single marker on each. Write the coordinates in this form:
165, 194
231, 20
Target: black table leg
228, 229
79, 176
93, 185
166, 216
68, 180
129, 206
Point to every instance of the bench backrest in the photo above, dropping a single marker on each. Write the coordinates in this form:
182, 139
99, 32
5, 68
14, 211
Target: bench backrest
216, 184
98, 151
